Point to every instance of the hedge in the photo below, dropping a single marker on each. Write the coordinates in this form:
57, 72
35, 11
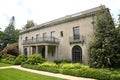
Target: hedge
37, 67
82, 72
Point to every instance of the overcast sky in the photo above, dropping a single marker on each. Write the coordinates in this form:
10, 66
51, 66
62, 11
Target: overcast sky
41, 11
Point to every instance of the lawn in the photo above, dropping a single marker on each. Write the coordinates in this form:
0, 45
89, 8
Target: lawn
4, 64
15, 74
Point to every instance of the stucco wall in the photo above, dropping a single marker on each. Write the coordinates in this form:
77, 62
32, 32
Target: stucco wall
64, 47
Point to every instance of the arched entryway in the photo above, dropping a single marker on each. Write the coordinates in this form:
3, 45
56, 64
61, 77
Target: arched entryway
77, 54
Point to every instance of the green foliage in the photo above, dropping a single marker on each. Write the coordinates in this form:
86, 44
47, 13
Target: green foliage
72, 66
41, 68
10, 34
88, 73
62, 61
34, 59
48, 64
9, 59
77, 70
4, 64
103, 45
115, 77
1, 40
20, 59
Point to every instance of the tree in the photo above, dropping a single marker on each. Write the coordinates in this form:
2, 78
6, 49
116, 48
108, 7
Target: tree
1, 39
30, 24
10, 34
101, 45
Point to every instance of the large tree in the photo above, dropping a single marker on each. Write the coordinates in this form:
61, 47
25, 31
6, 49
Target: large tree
10, 34
1, 39
102, 44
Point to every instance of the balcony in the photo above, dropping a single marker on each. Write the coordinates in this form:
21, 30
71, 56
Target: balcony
77, 39
41, 40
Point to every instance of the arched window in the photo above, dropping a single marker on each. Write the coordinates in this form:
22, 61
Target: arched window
77, 54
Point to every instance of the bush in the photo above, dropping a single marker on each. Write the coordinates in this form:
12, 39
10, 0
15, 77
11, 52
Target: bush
72, 66
88, 73
34, 59
115, 77
42, 68
9, 59
62, 61
48, 64
20, 59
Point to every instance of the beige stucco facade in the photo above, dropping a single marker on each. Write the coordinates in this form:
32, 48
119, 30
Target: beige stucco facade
59, 37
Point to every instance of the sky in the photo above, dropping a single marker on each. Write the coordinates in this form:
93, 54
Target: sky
41, 11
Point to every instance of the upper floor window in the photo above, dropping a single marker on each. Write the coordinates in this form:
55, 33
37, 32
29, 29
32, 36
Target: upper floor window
53, 34
44, 36
76, 32
37, 36
32, 38
61, 33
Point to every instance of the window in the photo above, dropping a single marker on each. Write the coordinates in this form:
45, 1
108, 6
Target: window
26, 38
44, 36
53, 34
61, 33
37, 36
32, 38
76, 33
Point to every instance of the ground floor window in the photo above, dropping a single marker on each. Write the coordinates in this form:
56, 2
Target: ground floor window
77, 54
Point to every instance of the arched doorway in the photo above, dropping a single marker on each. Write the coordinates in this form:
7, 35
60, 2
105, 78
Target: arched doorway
77, 54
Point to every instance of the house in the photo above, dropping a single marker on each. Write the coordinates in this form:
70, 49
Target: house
62, 38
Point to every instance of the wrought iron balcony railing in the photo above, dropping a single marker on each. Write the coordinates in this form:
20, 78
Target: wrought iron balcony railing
41, 40
77, 38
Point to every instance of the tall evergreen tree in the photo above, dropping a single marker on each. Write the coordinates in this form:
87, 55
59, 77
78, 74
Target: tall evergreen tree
9, 32
101, 43
1, 39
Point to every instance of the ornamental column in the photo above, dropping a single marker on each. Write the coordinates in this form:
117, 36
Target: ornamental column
46, 52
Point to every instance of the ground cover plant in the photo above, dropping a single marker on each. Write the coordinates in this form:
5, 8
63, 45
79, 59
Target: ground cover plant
4, 64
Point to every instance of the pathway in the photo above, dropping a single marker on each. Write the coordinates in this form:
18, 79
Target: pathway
48, 73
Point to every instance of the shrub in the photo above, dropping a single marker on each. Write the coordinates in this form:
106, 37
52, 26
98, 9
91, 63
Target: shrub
42, 68
62, 61
48, 64
88, 73
72, 66
34, 59
9, 59
115, 77
4, 55
11, 49
66, 66
20, 59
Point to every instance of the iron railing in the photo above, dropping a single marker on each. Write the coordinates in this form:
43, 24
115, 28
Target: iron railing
77, 38
41, 40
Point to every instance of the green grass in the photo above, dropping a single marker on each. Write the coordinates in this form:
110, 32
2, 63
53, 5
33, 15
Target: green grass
15, 74
4, 64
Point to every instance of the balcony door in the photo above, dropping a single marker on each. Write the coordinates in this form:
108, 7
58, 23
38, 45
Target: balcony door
37, 36
44, 36
53, 35
76, 33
